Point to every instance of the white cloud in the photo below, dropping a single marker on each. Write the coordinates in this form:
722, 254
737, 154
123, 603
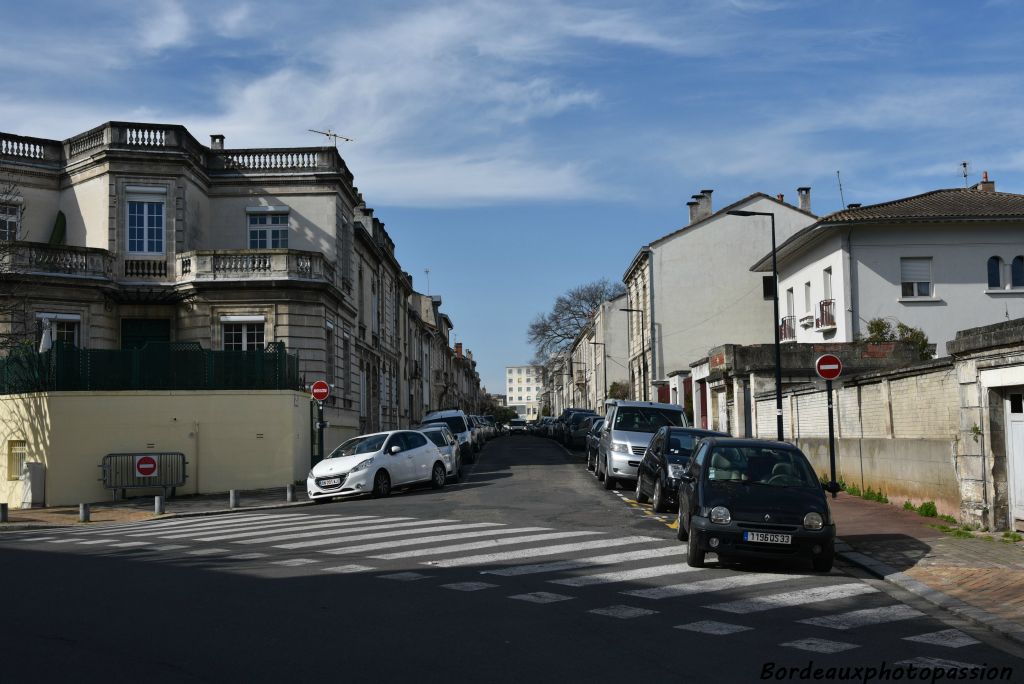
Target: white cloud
235, 21
167, 27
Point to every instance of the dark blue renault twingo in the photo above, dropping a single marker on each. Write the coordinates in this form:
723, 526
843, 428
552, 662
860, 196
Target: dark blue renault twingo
743, 498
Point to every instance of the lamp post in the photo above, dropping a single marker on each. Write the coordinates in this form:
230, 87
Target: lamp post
604, 368
775, 325
643, 345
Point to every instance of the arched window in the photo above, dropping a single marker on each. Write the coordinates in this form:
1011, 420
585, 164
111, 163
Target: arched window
1017, 272
995, 273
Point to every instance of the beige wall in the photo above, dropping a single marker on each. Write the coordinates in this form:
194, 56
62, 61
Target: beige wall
231, 440
312, 219
39, 209
86, 207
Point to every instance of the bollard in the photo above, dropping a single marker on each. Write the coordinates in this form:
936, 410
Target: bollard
289, 493
233, 498
83, 512
158, 505
3, 512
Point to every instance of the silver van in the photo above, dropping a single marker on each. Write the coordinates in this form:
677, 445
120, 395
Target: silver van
627, 430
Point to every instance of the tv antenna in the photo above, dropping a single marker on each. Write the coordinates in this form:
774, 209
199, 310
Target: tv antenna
332, 135
841, 198
427, 271
965, 170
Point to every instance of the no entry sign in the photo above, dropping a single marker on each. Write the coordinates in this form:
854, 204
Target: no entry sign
145, 466
829, 366
320, 390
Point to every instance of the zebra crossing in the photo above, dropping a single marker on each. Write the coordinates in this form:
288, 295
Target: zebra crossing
628, 577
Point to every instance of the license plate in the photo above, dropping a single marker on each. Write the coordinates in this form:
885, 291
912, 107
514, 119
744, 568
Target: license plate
332, 481
768, 537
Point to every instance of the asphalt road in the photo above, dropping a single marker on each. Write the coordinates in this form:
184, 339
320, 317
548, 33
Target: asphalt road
483, 581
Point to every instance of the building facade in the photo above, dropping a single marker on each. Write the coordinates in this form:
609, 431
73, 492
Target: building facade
524, 390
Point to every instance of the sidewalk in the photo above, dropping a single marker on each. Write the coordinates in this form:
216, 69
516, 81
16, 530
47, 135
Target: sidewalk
977, 579
141, 508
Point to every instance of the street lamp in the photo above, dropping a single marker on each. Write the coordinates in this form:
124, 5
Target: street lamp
604, 368
775, 300
643, 345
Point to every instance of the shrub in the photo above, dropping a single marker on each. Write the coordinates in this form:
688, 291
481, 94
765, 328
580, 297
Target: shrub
853, 490
948, 518
907, 506
928, 510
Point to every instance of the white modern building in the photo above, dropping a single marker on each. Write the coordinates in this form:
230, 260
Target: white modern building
524, 386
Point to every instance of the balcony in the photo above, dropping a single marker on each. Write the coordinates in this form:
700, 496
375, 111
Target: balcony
80, 262
253, 264
787, 329
826, 319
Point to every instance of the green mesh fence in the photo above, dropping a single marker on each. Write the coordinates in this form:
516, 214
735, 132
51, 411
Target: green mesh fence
156, 366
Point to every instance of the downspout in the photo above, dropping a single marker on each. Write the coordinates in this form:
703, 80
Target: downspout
852, 319
650, 334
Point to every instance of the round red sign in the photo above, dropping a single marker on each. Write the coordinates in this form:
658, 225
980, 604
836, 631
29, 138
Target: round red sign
145, 466
829, 366
320, 390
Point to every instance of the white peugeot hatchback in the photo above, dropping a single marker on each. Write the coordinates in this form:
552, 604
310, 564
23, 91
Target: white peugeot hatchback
375, 464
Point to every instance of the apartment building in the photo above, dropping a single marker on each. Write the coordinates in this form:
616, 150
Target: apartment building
524, 388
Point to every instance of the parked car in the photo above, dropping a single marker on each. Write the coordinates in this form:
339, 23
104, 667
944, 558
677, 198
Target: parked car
446, 443
560, 427
627, 430
664, 463
576, 427
593, 442
458, 423
374, 464
517, 426
744, 498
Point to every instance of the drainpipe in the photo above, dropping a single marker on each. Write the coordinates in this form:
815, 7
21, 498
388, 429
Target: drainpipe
852, 319
653, 327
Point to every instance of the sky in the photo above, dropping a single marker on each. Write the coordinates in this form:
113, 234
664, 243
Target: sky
517, 149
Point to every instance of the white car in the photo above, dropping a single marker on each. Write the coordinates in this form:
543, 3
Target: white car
374, 464
458, 423
446, 443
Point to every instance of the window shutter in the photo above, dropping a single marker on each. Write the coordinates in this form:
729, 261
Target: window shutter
916, 270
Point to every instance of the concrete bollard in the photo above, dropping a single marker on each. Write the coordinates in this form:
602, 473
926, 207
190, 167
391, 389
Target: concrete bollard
3, 512
233, 498
158, 505
289, 493
83, 512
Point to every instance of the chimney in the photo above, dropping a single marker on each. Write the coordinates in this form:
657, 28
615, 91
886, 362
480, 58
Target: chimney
693, 205
701, 208
985, 185
780, 197
469, 355
804, 194
458, 350
854, 205
216, 141
706, 206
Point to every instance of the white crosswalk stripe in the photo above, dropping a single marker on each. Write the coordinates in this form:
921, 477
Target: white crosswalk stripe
625, 575
713, 627
386, 531
541, 597
440, 550
924, 661
482, 559
129, 545
868, 616
815, 645
623, 612
609, 559
267, 536
266, 526
348, 569
167, 522
193, 526
794, 598
419, 541
709, 585
950, 638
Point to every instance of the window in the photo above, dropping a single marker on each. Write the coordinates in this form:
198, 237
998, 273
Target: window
1017, 272
17, 451
826, 283
329, 350
268, 230
807, 297
63, 328
916, 276
519, 371
243, 336
145, 227
790, 304
10, 216
995, 273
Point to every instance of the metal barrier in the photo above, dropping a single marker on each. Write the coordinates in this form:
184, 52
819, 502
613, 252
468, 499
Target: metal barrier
143, 471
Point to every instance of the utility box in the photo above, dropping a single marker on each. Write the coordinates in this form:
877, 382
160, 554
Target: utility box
34, 488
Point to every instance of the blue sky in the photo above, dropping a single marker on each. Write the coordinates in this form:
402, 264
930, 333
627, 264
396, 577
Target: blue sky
519, 148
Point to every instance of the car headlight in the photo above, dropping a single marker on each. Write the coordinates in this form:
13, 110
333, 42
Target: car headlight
720, 515
363, 466
813, 521
620, 447
675, 470
310, 476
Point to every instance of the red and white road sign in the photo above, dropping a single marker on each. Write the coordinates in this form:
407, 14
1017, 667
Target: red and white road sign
320, 390
829, 366
145, 466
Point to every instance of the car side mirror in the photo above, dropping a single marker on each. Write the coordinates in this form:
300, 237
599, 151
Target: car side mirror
395, 449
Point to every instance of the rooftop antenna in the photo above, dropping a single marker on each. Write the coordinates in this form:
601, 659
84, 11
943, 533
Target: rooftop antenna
965, 170
841, 198
332, 135
427, 271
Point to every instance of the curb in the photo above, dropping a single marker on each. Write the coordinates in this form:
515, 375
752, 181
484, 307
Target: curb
884, 571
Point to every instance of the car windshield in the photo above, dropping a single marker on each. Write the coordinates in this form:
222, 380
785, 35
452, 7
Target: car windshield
596, 427
761, 465
645, 419
578, 418
454, 423
679, 447
518, 423
366, 444
436, 437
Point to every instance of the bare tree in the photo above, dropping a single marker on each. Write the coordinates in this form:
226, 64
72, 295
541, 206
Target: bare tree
13, 331
553, 333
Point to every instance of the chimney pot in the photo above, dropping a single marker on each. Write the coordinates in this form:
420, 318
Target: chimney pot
804, 193
780, 197
693, 210
985, 185
216, 141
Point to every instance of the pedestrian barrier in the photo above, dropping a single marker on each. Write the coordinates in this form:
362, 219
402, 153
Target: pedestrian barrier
143, 471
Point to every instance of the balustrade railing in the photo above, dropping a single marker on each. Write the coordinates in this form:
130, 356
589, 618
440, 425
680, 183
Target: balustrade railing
268, 264
22, 147
787, 329
140, 269
270, 160
36, 257
826, 315
85, 142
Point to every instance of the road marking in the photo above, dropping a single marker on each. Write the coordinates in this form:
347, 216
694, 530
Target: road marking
438, 550
924, 661
348, 569
96, 541
168, 547
206, 552
166, 523
713, 627
247, 556
708, 585
295, 562
128, 545
540, 551
868, 616
300, 531
158, 528
622, 612
35, 539
430, 540
624, 575
66, 540
610, 559
541, 597
468, 586
794, 598
820, 645
950, 638
404, 576
388, 532
259, 527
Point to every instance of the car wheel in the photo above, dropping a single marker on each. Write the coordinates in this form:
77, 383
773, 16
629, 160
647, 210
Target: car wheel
590, 465
658, 500
694, 555
823, 562
638, 495
681, 533
609, 481
438, 476
598, 472
381, 485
